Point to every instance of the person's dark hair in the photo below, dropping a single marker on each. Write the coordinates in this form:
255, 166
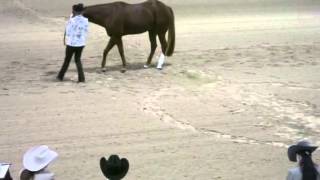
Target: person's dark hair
26, 175
309, 172
77, 7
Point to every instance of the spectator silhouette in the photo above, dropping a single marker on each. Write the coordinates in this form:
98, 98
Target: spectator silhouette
114, 168
306, 169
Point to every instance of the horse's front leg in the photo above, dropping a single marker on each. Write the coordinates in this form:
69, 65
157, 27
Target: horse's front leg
110, 45
121, 51
153, 42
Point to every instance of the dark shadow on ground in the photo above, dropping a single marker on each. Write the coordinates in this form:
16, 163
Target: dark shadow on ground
50, 76
130, 67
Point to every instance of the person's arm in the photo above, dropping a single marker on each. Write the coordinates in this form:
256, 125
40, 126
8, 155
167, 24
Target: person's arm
86, 28
64, 38
65, 31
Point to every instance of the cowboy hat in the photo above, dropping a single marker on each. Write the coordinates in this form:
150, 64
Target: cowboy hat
303, 145
114, 168
38, 157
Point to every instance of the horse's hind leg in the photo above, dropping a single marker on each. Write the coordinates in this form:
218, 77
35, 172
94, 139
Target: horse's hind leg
163, 42
153, 41
110, 45
121, 51
164, 45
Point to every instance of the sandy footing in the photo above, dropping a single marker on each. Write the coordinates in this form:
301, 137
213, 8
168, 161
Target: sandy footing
239, 89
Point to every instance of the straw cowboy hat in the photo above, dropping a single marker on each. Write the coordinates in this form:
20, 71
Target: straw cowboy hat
38, 157
303, 145
114, 168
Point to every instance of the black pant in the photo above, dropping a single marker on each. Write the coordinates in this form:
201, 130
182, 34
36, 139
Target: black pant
70, 50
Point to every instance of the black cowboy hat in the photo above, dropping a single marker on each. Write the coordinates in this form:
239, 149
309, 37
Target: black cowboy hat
301, 146
114, 168
78, 7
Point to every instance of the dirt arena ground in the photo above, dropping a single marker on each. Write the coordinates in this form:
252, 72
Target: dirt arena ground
243, 84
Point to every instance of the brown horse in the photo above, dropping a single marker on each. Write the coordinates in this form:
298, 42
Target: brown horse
120, 18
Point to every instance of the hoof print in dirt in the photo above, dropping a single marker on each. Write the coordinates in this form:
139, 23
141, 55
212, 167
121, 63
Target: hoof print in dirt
123, 70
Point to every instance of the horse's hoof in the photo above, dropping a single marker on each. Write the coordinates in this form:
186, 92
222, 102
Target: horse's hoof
123, 70
103, 69
145, 66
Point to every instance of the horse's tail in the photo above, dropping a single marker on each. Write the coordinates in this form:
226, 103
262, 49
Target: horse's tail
171, 34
